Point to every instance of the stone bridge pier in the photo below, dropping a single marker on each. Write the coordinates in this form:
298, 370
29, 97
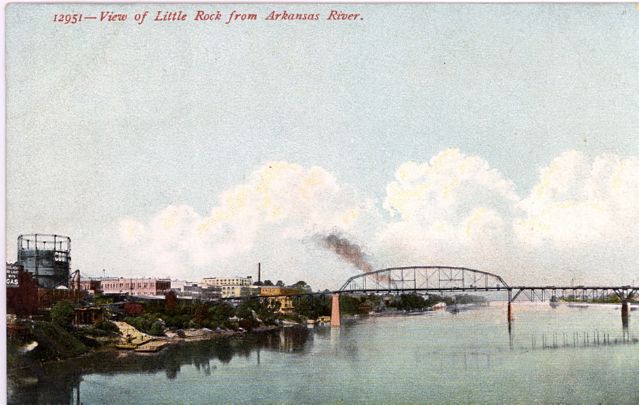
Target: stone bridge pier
335, 313
625, 297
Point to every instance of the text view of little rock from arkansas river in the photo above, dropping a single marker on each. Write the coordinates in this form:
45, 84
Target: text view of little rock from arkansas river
203, 16
200, 196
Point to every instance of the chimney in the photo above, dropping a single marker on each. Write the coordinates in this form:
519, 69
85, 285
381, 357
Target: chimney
259, 272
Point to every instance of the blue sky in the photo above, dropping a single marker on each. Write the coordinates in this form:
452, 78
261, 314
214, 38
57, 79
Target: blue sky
109, 126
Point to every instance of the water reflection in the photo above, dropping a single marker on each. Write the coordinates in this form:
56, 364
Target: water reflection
576, 338
625, 315
335, 334
60, 383
580, 339
558, 340
436, 352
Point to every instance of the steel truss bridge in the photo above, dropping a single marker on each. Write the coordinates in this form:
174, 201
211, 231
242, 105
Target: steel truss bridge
446, 279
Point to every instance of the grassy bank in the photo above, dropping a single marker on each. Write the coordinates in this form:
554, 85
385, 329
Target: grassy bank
44, 341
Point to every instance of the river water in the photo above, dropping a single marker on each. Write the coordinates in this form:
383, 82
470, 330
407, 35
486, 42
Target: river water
551, 355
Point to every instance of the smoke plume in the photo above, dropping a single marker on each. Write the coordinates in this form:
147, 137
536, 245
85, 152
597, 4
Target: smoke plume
347, 250
352, 253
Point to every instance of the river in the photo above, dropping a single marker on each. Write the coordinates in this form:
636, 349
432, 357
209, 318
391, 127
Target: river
551, 355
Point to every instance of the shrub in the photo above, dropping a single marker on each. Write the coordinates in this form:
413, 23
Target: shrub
170, 302
106, 326
62, 314
201, 315
157, 328
54, 342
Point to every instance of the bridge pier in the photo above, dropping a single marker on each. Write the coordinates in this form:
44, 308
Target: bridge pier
625, 313
510, 307
335, 313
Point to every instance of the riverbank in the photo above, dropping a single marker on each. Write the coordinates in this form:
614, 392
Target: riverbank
107, 360
451, 357
133, 339
47, 344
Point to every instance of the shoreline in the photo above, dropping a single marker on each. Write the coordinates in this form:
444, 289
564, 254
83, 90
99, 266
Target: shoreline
204, 334
108, 348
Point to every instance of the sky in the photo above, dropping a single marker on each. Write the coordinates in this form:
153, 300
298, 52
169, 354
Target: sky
496, 137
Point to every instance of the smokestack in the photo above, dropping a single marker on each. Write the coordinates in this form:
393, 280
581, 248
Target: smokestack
259, 272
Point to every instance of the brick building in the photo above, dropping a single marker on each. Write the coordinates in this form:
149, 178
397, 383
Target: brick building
135, 286
92, 286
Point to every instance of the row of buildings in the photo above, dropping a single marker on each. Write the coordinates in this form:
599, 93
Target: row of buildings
122, 285
209, 287
42, 271
47, 257
213, 287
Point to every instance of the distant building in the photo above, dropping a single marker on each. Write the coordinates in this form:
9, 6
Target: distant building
92, 286
226, 281
230, 287
21, 292
132, 308
208, 294
282, 295
87, 316
135, 286
191, 289
271, 291
46, 257
236, 291
181, 286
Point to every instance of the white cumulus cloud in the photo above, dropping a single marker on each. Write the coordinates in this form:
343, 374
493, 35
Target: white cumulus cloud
578, 201
280, 202
454, 209
579, 222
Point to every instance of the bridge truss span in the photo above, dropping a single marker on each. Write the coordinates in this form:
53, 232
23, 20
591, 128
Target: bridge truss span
424, 278
572, 293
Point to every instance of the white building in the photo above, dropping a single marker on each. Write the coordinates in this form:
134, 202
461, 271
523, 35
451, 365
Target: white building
231, 286
226, 281
192, 289
232, 291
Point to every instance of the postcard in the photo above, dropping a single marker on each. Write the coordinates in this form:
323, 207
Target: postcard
321, 203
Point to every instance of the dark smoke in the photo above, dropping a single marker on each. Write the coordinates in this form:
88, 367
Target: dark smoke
352, 253
347, 250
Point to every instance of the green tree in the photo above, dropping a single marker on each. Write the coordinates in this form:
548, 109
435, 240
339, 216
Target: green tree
244, 310
62, 313
410, 302
201, 315
302, 286
156, 329
312, 307
219, 315
348, 305
170, 302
